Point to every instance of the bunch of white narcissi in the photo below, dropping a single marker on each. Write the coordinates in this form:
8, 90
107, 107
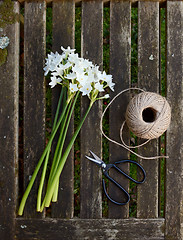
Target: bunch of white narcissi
76, 75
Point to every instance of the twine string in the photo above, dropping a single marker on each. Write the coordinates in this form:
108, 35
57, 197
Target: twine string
123, 144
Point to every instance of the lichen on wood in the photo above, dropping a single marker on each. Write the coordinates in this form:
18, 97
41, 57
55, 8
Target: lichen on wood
7, 16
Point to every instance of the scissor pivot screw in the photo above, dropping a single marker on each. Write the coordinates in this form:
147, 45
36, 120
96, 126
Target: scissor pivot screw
103, 165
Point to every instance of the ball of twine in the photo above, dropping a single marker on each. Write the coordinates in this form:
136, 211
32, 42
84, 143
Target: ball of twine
148, 115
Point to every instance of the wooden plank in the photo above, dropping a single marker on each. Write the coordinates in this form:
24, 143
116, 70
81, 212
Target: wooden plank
148, 79
34, 94
132, 1
120, 68
90, 186
76, 229
9, 101
63, 35
174, 167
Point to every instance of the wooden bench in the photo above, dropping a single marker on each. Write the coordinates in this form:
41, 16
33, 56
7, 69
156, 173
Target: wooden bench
61, 222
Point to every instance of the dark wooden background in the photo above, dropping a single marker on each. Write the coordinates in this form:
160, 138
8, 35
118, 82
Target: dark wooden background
61, 224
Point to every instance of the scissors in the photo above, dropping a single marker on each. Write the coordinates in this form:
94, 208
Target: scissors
105, 167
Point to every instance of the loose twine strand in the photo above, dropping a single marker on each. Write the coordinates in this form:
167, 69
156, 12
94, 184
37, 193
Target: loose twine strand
123, 144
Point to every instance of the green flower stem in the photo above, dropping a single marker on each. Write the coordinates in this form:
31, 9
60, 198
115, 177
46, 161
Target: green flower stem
29, 187
63, 90
58, 150
60, 144
55, 193
42, 181
51, 188
64, 132
48, 153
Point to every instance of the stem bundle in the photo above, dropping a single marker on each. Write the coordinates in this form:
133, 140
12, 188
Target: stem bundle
59, 158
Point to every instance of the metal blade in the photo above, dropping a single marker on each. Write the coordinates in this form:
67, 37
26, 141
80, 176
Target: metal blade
96, 157
98, 162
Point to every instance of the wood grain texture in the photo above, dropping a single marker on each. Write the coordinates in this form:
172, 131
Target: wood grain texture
9, 100
148, 79
34, 94
91, 45
132, 1
120, 68
77, 229
63, 35
174, 165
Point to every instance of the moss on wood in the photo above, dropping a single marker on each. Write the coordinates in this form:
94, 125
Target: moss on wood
7, 14
3, 56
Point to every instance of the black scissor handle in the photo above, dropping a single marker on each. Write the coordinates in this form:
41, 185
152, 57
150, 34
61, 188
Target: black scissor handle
125, 174
119, 186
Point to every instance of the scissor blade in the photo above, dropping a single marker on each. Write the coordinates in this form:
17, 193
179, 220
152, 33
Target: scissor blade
96, 157
98, 162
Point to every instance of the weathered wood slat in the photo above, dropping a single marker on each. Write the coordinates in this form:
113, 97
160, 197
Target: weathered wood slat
174, 167
90, 186
133, 1
148, 79
9, 100
63, 35
120, 62
77, 229
34, 93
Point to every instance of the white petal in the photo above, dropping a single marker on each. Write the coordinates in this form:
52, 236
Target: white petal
73, 87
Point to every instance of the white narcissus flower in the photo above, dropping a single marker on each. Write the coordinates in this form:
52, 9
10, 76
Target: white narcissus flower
65, 66
71, 75
58, 71
68, 50
85, 63
52, 62
110, 84
82, 78
105, 77
99, 87
77, 73
77, 69
86, 89
108, 80
91, 77
73, 58
73, 87
96, 73
54, 81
